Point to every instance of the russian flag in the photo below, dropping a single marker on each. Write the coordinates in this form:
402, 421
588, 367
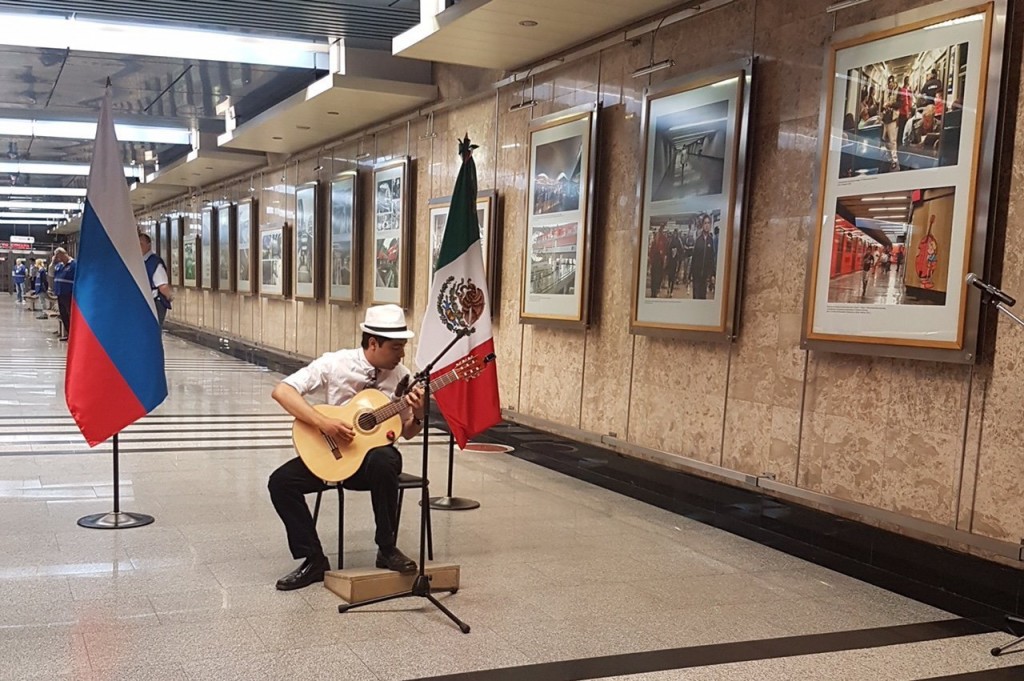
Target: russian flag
115, 365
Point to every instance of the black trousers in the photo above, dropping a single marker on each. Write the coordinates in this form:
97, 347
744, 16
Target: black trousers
290, 483
64, 308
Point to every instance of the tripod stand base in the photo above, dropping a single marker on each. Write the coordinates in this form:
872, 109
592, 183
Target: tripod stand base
453, 504
115, 521
1003, 648
420, 588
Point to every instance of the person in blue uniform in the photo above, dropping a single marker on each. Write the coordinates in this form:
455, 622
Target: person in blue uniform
20, 272
63, 286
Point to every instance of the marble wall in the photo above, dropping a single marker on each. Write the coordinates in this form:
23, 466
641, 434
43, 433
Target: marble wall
923, 440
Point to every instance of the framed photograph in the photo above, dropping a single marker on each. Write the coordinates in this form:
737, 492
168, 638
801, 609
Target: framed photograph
342, 256
391, 232
174, 262
245, 254
686, 267
225, 249
486, 211
206, 249
560, 198
907, 120
190, 259
274, 265
307, 269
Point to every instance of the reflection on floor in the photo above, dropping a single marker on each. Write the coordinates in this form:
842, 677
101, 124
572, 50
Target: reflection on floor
881, 288
553, 569
701, 176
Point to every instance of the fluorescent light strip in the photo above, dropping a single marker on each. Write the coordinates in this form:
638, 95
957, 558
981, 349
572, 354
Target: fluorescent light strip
47, 205
47, 216
651, 68
88, 35
42, 191
42, 168
27, 222
890, 197
85, 130
843, 4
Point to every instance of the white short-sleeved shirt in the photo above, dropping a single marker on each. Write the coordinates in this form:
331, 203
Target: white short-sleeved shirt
344, 373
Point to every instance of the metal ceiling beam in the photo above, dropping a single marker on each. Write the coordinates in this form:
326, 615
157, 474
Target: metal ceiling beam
306, 18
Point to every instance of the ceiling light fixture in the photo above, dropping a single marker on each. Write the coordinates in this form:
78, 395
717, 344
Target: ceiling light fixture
651, 68
4, 221
85, 130
89, 35
31, 205
843, 4
41, 216
42, 191
43, 168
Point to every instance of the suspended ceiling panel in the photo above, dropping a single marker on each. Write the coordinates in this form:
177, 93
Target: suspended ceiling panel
487, 33
146, 194
330, 108
202, 167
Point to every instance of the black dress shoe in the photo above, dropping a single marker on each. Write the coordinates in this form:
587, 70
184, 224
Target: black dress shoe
395, 560
311, 571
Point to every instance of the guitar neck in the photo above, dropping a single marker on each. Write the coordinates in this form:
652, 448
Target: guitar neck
389, 410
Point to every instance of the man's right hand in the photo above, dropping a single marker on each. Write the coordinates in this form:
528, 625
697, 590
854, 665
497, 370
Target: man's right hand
339, 430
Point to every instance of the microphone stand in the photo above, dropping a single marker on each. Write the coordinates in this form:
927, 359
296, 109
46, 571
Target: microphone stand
421, 585
987, 297
999, 305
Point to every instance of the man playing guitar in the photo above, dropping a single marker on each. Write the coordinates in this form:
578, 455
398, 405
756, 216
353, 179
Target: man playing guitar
342, 374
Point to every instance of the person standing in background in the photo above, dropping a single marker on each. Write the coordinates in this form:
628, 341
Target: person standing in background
156, 270
40, 281
20, 272
63, 285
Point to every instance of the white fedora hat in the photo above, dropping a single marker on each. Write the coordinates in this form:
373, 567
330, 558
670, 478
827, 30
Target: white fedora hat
387, 321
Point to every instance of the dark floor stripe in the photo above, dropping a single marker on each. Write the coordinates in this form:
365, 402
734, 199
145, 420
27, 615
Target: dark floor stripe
183, 438
143, 450
721, 653
257, 415
1014, 673
283, 428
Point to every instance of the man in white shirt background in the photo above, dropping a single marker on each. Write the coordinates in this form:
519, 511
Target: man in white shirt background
158, 281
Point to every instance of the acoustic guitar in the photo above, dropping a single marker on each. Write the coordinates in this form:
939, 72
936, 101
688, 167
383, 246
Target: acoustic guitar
374, 417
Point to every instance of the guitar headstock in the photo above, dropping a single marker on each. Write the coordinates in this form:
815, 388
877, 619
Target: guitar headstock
471, 366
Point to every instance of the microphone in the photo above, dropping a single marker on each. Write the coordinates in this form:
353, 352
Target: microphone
991, 290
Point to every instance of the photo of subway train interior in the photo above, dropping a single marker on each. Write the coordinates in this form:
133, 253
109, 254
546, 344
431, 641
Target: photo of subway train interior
905, 113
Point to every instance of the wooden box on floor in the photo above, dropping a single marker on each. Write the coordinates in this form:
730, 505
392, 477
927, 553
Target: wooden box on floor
361, 584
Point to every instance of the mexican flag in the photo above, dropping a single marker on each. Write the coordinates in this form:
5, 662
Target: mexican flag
459, 302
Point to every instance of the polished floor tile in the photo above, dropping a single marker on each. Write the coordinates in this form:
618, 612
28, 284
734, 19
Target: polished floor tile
553, 569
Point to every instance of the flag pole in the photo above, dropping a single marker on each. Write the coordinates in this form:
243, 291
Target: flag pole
450, 503
115, 520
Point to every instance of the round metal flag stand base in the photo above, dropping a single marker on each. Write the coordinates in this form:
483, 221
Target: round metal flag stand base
453, 504
115, 521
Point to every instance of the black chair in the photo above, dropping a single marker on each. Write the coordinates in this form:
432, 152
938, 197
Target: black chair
405, 481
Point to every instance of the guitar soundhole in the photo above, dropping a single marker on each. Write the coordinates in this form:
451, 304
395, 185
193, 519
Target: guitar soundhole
367, 421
